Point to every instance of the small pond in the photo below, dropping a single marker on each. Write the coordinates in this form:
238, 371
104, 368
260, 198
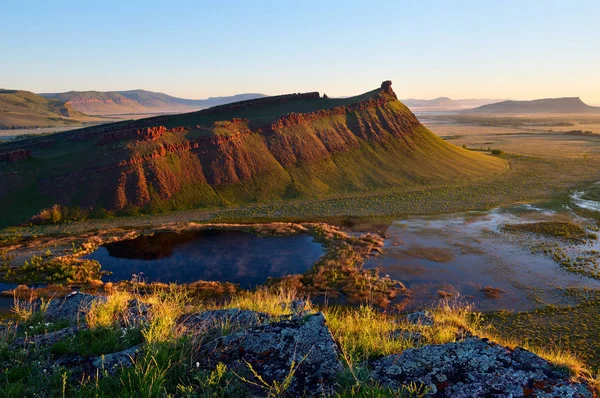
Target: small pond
6, 302
209, 255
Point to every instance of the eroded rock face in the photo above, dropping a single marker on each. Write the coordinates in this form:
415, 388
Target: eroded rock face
476, 368
71, 308
15, 156
302, 343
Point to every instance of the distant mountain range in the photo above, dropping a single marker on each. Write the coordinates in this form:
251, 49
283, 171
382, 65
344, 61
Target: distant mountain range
546, 105
138, 102
24, 109
445, 103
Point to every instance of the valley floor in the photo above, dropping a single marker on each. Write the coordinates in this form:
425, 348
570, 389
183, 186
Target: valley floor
542, 166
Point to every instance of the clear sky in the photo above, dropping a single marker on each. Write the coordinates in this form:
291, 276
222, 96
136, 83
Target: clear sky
521, 49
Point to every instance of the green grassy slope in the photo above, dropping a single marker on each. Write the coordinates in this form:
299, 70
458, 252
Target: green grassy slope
262, 151
24, 109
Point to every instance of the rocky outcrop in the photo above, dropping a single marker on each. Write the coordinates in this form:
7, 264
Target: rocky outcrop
424, 318
386, 87
476, 368
298, 347
117, 361
302, 346
72, 308
146, 134
46, 339
15, 155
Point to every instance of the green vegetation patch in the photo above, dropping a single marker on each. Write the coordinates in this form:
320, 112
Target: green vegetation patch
60, 269
98, 341
555, 229
573, 328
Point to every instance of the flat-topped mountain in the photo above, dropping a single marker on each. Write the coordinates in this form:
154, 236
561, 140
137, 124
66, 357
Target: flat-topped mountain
446, 103
297, 146
139, 102
24, 109
546, 105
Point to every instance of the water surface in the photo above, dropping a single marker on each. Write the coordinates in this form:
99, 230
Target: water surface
462, 254
213, 255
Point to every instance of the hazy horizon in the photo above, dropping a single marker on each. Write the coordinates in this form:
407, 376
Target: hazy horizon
462, 50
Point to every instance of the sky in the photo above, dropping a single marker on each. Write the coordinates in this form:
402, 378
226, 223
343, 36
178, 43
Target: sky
195, 49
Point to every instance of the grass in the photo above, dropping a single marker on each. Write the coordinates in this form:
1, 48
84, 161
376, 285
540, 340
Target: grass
555, 229
573, 329
167, 367
24, 109
54, 270
97, 341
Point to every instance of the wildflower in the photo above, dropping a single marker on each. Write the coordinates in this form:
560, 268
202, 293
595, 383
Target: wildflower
197, 364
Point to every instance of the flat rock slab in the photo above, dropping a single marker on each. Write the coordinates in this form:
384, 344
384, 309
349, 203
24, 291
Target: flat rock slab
114, 362
302, 344
476, 368
71, 308
44, 339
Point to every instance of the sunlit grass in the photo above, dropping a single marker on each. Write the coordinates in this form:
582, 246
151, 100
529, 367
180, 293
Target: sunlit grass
166, 364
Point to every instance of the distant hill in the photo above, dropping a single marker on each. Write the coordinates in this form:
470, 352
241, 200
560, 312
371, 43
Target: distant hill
287, 147
24, 109
546, 105
139, 102
447, 103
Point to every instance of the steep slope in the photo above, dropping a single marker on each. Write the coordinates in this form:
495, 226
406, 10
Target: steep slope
139, 102
547, 105
262, 150
24, 109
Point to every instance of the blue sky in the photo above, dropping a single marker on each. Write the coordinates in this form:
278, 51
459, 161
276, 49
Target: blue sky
462, 49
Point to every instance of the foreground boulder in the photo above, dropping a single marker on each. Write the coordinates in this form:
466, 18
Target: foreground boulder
301, 345
72, 308
115, 361
476, 368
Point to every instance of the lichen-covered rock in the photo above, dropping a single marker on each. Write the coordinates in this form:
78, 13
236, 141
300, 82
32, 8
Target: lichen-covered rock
476, 368
302, 344
424, 318
71, 308
44, 339
231, 319
296, 307
115, 361
136, 314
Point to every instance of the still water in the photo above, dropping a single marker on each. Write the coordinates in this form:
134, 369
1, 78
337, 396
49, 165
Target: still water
463, 254
224, 256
